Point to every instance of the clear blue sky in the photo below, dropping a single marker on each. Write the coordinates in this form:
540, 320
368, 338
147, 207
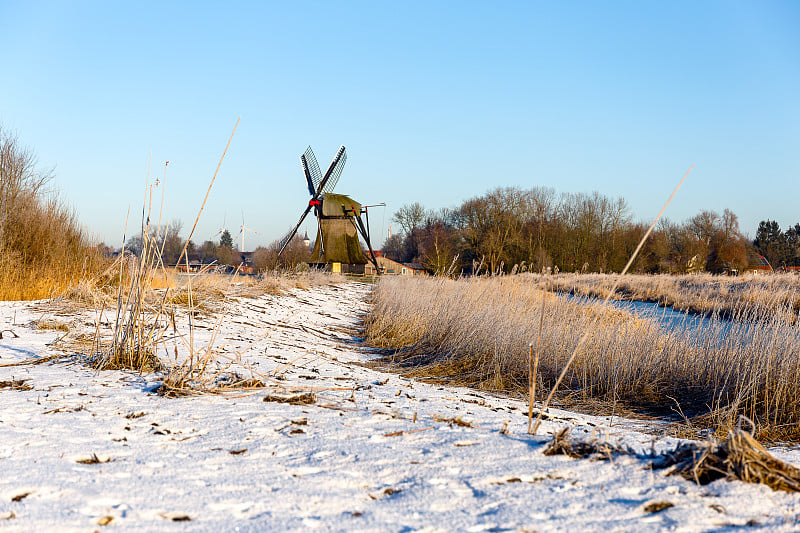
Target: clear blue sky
436, 102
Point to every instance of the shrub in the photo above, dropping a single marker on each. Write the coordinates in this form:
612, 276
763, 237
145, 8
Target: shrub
43, 249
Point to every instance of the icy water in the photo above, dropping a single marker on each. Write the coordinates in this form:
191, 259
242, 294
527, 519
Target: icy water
673, 321
668, 317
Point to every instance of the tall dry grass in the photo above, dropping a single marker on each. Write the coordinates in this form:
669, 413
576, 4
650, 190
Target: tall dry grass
477, 331
762, 295
43, 248
149, 307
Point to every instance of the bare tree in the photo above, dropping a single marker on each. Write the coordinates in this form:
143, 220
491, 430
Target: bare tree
410, 217
43, 247
492, 224
172, 242
20, 180
265, 258
438, 242
727, 248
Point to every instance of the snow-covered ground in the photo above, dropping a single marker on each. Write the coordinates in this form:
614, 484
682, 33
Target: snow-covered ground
375, 452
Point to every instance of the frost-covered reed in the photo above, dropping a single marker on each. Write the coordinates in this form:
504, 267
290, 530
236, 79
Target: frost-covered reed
762, 294
477, 331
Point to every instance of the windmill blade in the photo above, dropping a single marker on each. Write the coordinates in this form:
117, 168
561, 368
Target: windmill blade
289, 235
311, 170
334, 171
321, 240
365, 233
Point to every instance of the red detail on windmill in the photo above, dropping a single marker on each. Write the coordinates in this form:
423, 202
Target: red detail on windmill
314, 202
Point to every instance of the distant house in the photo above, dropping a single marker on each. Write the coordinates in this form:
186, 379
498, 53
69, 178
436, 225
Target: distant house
246, 265
758, 264
417, 268
194, 264
392, 267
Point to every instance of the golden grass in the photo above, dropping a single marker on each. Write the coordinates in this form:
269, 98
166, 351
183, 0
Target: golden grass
478, 332
50, 324
43, 248
166, 278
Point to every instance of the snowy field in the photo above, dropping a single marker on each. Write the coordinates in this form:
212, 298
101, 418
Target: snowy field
85, 451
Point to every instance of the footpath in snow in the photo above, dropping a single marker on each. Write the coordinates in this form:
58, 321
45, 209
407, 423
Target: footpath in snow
82, 450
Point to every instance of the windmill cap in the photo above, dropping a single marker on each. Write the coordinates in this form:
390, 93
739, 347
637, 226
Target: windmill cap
335, 203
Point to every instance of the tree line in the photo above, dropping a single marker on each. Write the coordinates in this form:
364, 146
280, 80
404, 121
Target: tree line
537, 228
170, 243
782, 249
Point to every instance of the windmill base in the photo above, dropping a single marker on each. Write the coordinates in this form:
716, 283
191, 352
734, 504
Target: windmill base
339, 268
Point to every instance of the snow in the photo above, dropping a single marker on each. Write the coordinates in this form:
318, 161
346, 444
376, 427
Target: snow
374, 453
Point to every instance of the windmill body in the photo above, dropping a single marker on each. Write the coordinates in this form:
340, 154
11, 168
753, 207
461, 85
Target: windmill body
339, 222
337, 234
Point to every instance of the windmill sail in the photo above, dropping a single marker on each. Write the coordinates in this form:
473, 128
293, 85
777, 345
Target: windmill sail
311, 170
333, 173
288, 237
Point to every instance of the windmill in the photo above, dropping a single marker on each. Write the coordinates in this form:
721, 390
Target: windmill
223, 228
339, 221
242, 229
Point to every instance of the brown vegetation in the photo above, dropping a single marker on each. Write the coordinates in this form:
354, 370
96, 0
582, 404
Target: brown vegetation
43, 249
739, 456
576, 232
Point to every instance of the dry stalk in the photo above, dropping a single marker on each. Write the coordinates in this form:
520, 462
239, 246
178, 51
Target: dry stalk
139, 329
531, 386
605, 302
534, 369
740, 456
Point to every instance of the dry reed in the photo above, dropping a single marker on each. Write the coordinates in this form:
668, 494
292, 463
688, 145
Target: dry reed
760, 295
738, 457
477, 332
139, 326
